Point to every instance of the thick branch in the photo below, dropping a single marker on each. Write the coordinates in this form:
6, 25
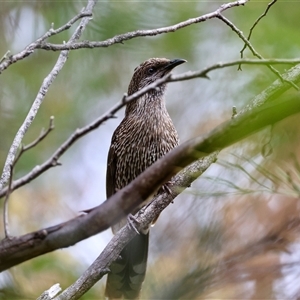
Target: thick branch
53, 160
223, 135
124, 201
145, 217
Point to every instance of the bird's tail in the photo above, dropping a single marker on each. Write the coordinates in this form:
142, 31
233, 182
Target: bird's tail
128, 272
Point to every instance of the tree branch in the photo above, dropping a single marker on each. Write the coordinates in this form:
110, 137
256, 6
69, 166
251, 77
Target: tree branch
265, 62
249, 45
42, 136
5, 206
223, 135
255, 23
249, 120
144, 219
50, 293
8, 60
140, 33
41, 95
78, 133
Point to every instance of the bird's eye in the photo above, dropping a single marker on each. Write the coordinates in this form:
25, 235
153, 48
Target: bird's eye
151, 71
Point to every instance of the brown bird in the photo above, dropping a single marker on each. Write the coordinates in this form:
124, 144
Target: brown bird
145, 134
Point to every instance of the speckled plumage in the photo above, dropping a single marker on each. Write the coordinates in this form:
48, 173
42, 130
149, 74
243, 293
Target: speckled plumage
145, 134
140, 140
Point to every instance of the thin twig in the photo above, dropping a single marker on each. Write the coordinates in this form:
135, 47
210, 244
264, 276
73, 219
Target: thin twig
43, 134
266, 173
254, 52
41, 95
78, 133
7, 60
50, 293
294, 185
238, 166
266, 149
5, 207
140, 33
229, 183
203, 73
9, 189
255, 23
5, 56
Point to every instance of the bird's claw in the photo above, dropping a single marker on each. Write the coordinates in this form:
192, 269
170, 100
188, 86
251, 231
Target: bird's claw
166, 188
131, 219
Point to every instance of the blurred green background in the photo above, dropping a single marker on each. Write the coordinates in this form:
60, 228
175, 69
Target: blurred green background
209, 223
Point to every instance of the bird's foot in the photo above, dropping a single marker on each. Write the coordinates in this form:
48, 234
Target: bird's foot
131, 220
166, 188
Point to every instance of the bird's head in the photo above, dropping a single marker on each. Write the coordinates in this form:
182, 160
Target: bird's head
151, 70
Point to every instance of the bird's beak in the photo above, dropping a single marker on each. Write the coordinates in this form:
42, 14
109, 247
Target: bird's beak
174, 63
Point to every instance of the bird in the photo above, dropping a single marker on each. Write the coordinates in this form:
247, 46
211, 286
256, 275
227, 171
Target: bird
144, 135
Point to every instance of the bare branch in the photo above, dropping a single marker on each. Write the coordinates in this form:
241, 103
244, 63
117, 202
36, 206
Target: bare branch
5, 56
203, 73
246, 122
43, 134
100, 218
40, 97
144, 218
7, 60
78, 133
255, 23
5, 206
222, 135
50, 293
249, 45
9, 188
140, 33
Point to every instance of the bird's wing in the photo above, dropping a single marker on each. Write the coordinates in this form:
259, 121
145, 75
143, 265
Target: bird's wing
111, 172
